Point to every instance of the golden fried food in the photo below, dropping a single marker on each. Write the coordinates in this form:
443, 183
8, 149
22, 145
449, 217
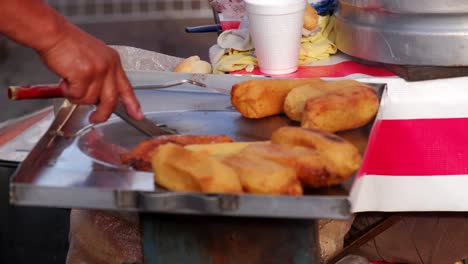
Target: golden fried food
294, 104
341, 158
308, 164
262, 176
261, 98
140, 156
358, 137
295, 101
343, 109
310, 17
180, 169
220, 149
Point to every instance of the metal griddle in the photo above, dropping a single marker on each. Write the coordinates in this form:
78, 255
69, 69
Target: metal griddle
416, 39
76, 165
403, 32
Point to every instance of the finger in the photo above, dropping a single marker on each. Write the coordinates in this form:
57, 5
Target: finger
64, 85
92, 94
108, 100
83, 75
77, 90
127, 96
66, 89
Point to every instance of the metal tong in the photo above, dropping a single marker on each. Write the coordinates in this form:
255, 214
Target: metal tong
145, 126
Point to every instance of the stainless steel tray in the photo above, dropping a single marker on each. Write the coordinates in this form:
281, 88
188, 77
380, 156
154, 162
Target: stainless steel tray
79, 167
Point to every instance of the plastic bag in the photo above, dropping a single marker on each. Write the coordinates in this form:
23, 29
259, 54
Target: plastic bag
229, 8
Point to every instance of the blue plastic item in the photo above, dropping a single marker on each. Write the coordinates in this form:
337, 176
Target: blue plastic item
324, 7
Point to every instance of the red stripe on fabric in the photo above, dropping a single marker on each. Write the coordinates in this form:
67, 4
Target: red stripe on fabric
417, 147
332, 71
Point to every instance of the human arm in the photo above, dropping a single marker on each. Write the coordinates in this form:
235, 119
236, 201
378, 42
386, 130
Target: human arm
92, 71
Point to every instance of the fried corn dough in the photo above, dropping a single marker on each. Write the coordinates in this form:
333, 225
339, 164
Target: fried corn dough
341, 158
343, 109
221, 149
261, 98
140, 156
261, 176
308, 163
358, 137
294, 104
180, 169
310, 17
295, 101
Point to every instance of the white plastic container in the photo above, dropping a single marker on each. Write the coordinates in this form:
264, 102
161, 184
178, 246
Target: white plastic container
276, 29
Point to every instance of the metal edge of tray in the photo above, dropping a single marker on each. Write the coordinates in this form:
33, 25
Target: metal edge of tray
148, 198
231, 205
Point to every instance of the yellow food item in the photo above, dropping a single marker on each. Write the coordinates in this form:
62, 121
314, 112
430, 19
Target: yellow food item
309, 165
234, 60
262, 176
340, 157
295, 101
180, 169
351, 106
321, 45
139, 157
221, 149
261, 98
359, 138
193, 65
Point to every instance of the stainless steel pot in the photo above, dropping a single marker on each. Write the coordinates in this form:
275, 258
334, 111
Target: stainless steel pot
406, 32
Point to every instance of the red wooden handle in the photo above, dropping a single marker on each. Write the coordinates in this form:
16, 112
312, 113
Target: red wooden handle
35, 92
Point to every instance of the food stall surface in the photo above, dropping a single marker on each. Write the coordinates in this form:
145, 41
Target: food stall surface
105, 184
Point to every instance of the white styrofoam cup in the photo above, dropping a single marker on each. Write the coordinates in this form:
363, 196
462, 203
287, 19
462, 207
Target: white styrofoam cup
276, 30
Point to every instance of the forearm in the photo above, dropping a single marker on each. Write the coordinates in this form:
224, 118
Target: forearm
92, 71
32, 23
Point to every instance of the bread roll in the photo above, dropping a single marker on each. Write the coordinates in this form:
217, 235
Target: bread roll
193, 65
341, 158
343, 109
180, 169
261, 98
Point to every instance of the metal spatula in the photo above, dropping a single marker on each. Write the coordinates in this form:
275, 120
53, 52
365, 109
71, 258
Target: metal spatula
145, 126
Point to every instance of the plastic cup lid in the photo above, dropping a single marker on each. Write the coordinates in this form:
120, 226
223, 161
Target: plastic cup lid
274, 7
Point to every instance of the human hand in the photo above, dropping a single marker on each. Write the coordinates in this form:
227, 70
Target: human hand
92, 73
